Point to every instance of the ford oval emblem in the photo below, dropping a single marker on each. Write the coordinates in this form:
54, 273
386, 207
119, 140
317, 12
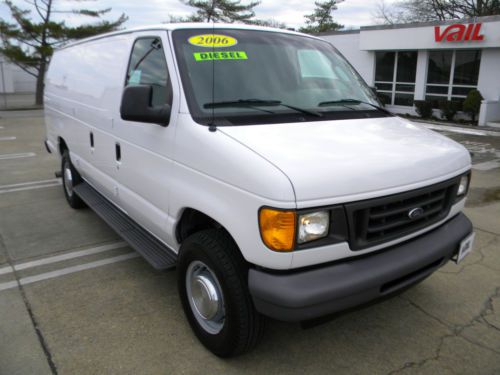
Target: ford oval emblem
415, 213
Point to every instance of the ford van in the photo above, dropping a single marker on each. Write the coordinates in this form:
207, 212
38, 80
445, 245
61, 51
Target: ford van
259, 164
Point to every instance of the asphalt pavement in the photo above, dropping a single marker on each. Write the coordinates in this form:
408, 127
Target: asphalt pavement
75, 299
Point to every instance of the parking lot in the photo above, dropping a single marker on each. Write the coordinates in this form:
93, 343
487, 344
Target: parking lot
74, 299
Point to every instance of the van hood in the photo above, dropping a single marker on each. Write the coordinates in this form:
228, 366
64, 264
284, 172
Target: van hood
337, 161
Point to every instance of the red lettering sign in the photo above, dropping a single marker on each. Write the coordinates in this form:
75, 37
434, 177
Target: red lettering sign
458, 33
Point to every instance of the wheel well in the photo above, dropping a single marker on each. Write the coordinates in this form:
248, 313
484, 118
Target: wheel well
62, 146
193, 221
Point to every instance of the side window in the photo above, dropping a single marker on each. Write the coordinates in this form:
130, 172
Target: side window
148, 67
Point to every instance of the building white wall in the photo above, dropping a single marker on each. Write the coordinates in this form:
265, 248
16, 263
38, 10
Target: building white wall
421, 75
15, 80
421, 36
348, 45
23, 82
6, 78
489, 74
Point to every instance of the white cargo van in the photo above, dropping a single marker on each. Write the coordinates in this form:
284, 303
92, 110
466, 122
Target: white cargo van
258, 163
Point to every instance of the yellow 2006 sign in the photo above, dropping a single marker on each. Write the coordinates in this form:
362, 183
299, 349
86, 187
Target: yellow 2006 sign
212, 40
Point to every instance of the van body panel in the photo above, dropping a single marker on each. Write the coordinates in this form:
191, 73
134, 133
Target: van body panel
360, 204
231, 173
144, 172
334, 161
83, 92
203, 179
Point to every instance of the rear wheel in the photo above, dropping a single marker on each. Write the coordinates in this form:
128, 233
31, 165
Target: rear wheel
212, 282
70, 178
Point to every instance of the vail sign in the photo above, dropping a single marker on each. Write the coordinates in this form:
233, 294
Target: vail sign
458, 33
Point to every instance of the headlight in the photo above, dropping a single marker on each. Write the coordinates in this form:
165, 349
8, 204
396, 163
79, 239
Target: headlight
463, 186
313, 225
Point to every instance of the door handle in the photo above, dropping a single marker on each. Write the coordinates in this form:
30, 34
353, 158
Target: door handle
91, 140
118, 152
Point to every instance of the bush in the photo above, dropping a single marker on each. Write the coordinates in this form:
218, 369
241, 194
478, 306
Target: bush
383, 98
472, 103
423, 108
449, 109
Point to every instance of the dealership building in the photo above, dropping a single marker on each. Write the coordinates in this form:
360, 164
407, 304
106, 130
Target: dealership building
432, 61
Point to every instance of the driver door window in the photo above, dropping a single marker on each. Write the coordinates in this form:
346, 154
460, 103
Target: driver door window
148, 67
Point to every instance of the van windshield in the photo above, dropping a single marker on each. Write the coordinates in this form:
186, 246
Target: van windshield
242, 77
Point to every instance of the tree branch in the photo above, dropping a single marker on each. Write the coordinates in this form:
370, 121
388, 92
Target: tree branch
37, 7
18, 64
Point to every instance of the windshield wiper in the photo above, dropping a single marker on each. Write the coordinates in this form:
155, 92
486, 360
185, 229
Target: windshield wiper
352, 101
250, 103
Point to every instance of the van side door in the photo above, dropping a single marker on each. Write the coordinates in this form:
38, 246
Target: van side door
144, 151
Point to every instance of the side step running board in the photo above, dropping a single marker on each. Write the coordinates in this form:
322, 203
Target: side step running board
156, 253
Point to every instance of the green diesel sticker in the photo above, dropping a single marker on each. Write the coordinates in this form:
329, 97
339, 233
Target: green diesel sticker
226, 55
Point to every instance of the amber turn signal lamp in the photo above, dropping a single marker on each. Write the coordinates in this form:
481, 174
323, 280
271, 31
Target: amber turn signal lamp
277, 228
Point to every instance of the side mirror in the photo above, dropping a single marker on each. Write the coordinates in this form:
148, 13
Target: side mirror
136, 106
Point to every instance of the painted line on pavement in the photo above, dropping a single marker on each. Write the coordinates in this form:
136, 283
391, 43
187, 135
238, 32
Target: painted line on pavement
57, 183
17, 156
28, 183
62, 257
457, 129
67, 271
5, 270
487, 165
8, 285
7, 138
72, 255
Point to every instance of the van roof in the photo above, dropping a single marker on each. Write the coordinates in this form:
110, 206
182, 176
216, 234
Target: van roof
185, 25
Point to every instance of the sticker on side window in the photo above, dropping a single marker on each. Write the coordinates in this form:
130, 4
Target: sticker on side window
212, 40
135, 77
229, 55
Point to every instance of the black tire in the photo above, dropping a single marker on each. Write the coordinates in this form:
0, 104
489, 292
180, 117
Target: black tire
243, 326
68, 183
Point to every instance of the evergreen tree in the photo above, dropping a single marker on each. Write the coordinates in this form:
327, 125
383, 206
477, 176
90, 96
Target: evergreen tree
321, 19
29, 42
221, 10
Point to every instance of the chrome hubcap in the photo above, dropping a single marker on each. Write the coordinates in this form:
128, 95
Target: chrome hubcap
205, 297
68, 180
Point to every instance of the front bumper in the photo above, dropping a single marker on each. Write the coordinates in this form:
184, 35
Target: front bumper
312, 293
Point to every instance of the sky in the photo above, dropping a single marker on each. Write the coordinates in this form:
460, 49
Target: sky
350, 13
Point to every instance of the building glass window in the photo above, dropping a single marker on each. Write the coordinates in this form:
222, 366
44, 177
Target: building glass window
439, 67
467, 67
384, 70
451, 75
395, 74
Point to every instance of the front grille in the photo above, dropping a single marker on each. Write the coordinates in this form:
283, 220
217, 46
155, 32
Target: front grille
375, 221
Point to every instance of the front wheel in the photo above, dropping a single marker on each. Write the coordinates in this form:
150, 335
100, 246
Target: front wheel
70, 178
212, 282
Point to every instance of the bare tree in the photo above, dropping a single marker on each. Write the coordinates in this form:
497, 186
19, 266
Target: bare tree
407, 11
